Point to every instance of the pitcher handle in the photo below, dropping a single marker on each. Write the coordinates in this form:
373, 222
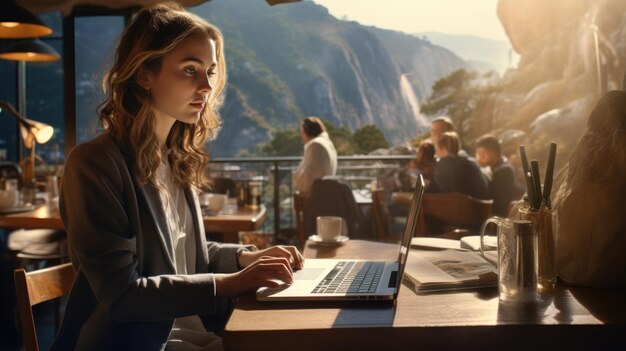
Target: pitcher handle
494, 220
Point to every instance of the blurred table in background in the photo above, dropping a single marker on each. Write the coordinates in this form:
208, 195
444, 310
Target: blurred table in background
229, 223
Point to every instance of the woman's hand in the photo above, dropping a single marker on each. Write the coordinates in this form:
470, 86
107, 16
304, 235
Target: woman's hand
264, 272
291, 253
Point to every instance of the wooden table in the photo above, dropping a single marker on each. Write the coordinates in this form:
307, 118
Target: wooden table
43, 217
46, 217
244, 219
472, 319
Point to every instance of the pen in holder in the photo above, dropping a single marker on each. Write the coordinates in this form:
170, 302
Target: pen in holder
545, 225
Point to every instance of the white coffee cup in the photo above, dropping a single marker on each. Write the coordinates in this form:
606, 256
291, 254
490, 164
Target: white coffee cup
217, 202
329, 227
9, 198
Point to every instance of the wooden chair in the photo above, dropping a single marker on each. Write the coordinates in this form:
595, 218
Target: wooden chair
455, 211
35, 287
299, 200
382, 219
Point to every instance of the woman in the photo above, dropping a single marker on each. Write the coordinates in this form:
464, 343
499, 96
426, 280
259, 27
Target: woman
146, 279
454, 173
425, 160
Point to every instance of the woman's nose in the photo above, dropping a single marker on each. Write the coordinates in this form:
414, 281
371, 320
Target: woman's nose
205, 85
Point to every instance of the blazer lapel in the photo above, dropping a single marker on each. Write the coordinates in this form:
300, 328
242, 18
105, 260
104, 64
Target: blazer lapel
155, 208
202, 256
157, 212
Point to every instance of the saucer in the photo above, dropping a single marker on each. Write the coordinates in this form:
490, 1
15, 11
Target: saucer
17, 209
340, 240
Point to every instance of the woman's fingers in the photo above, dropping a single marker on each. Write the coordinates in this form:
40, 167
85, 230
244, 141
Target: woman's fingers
291, 253
298, 259
274, 259
273, 268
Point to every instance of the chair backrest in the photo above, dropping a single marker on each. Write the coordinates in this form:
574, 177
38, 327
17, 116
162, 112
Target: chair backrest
381, 214
224, 186
35, 287
330, 197
299, 200
455, 209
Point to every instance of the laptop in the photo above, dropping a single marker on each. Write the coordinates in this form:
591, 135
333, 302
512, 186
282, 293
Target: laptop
350, 279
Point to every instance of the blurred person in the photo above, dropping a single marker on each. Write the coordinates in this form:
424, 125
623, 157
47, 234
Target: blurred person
146, 277
424, 162
455, 173
500, 173
320, 156
441, 125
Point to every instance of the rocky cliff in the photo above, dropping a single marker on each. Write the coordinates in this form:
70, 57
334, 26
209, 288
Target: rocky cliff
287, 62
560, 76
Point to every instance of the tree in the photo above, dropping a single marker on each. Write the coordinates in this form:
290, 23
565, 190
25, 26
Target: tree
458, 95
341, 138
369, 138
286, 142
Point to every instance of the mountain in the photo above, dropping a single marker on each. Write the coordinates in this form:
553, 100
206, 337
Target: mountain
481, 53
290, 61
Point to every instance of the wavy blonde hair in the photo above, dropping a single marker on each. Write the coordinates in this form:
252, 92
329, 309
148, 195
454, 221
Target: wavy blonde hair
127, 109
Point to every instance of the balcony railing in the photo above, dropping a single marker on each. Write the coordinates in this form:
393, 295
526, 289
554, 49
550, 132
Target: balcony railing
276, 175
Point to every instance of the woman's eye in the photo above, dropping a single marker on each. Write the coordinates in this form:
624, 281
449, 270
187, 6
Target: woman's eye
190, 70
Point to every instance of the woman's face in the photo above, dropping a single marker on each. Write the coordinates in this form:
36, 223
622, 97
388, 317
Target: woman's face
186, 77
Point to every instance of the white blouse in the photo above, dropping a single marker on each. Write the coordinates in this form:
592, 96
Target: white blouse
188, 333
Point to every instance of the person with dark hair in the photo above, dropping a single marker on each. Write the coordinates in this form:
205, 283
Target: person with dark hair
425, 160
320, 156
439, 126
146, 277
500, 172
455, 173
442, 125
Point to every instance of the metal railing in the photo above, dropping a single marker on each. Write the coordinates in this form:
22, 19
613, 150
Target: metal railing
287, 164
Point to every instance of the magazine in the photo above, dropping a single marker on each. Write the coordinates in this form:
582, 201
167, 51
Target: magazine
428, 271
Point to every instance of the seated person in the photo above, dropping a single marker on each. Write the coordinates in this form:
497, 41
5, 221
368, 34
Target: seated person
320, 156
441, 125
425, 160
502, 182
454, 173
424, 164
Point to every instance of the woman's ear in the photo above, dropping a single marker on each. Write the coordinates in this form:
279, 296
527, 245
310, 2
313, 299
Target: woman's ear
144, 78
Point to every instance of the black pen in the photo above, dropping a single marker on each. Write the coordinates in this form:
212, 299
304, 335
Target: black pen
547, 185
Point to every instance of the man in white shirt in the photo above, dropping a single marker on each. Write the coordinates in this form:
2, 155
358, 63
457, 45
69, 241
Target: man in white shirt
320, 156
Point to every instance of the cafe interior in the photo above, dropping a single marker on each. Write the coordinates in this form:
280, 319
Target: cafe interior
551, 274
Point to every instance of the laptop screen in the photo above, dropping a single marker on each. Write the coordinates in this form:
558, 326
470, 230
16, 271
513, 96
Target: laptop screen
410, 228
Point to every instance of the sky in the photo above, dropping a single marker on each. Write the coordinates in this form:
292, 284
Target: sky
473, 17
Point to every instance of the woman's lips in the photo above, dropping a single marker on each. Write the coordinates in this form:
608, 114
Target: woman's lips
198, 105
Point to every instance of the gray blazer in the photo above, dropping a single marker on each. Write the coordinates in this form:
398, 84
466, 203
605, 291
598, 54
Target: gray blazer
126, 294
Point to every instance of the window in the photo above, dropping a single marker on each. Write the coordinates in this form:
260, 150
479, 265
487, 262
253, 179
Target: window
44, 96
96, 38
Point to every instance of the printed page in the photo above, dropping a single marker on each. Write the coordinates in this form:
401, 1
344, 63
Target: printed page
449, 267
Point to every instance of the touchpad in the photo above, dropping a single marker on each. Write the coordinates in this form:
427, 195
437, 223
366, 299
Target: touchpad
307, 273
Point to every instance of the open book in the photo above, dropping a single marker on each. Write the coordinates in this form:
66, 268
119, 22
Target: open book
448, 270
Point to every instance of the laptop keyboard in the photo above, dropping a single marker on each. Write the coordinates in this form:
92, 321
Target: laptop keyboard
350, 277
